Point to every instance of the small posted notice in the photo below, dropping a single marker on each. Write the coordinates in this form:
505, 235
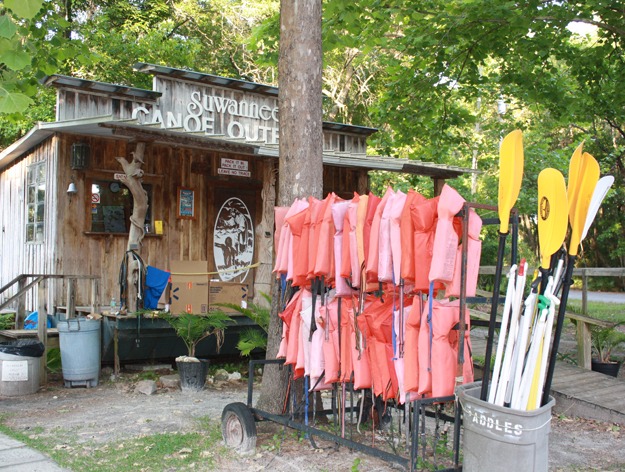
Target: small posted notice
14, 371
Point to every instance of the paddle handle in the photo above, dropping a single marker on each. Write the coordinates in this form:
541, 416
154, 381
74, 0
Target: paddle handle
568, 276
493, 316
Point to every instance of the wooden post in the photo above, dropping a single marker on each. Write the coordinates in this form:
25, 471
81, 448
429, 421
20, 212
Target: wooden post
71, 298
42, 330
95, 296
583, 345
20, 315
584, 293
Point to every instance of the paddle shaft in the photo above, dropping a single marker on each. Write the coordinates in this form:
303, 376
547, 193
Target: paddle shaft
493, 315
568, 276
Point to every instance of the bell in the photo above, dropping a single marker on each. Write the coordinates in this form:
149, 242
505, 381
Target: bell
71, 190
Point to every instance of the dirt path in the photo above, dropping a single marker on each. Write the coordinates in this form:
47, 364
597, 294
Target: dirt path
113, 411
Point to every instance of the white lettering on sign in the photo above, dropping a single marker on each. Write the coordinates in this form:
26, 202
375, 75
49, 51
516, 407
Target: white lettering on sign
242, 119
227, 163
499, 425
14, 371
238, 173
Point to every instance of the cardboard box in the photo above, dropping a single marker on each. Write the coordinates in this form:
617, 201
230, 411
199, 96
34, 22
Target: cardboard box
189, 291
227, 292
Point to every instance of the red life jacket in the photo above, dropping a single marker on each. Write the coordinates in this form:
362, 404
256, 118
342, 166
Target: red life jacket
424, 223
407, 237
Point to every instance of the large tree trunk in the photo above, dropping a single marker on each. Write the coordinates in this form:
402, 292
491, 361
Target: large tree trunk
301, 142
133, 175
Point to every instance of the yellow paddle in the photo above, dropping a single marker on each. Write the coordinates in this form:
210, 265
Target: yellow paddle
588, 176
574, 177
510, 177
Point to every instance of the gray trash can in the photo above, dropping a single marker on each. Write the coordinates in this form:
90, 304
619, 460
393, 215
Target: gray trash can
20, 367
79, 339
496, 438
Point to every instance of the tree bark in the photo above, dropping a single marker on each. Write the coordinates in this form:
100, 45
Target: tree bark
133, 175
301, 143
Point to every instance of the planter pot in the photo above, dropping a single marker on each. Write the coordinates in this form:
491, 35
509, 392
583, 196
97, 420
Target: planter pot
192, 374
608, 368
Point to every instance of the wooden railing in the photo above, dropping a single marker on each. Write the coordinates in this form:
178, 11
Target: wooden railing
27, 282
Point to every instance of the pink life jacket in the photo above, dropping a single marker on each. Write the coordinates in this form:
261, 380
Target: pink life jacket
325, 243
279, 216
300, 227
328, 322
397, 209
373, 256
424, 224
379, 318
407, 238
350, 248
364, 373
474, 252
399, 327
445, 239
411, 346
286, 316
352, 218
445, 348
372, 205
361, 215
312, 349
385, 261
339, 210
347, 339
285, 245
294, 323
317, 208
423, 353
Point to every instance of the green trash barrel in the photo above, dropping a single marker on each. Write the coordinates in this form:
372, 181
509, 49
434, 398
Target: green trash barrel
79, 339
497, 438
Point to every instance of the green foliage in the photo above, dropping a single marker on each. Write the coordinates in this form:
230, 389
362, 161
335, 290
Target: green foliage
194, 328
7, 321
252, 338
53, 360
605, 340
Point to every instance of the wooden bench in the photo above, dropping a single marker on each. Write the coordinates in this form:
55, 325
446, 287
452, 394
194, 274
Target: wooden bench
584, 323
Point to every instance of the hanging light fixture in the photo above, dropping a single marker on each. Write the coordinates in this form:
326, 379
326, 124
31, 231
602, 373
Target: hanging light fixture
80, 156
72, 189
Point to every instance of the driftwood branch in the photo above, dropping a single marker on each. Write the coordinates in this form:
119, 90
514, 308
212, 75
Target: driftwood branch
132, 178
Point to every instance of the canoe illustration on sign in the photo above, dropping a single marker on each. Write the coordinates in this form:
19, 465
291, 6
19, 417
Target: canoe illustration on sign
233, 240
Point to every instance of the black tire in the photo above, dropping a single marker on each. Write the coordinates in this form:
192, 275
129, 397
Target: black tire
238, 428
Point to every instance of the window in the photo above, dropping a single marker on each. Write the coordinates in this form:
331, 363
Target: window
111, 207
35, 202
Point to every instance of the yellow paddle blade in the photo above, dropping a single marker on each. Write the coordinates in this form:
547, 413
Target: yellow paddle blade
552, 214
574, 177
589, 176
510, 176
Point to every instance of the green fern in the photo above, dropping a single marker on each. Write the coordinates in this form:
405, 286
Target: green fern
194, 328
250, 338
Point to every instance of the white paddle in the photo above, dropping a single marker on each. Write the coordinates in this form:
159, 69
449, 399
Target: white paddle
601, 190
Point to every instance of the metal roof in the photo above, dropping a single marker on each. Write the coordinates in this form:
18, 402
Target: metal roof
101, 87
107, 127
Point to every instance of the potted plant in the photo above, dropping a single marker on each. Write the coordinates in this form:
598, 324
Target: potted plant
604, 341
192, 329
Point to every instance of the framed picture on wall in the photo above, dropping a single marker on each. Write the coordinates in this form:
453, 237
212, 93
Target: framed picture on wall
186, 203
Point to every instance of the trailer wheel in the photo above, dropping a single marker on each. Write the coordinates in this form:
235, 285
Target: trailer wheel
238, 428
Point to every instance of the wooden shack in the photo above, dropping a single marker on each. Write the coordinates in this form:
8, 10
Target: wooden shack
211, 158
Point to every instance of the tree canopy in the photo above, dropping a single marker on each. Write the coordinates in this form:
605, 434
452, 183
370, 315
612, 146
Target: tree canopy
443, 80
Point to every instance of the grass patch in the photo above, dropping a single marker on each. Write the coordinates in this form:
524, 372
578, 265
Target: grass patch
167, 451
601, 310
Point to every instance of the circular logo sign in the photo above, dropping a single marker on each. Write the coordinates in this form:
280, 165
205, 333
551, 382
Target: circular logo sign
233, 240
544, 208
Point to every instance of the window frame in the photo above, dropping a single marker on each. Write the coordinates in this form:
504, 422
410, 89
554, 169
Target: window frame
39, 170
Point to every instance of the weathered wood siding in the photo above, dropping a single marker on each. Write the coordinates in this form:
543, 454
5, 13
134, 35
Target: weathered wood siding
16, 255
74, 104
